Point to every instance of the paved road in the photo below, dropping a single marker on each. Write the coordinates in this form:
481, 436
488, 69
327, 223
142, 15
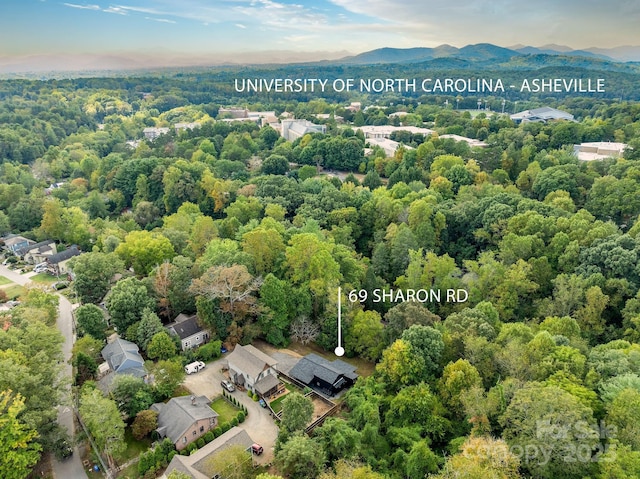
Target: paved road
71, 468
259, 424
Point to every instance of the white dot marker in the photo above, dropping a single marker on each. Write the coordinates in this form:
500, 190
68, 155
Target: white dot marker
339, 351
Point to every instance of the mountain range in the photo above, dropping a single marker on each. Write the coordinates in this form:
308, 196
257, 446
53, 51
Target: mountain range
483, 52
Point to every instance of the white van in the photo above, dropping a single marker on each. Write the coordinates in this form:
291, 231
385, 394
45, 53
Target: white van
194, 367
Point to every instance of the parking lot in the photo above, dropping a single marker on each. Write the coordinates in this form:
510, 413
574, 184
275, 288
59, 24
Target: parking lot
259, 425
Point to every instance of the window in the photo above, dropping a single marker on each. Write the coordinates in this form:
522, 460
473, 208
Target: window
201, 428
195, 432
184, 440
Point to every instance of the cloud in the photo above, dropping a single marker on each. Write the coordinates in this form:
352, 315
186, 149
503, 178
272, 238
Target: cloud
82, 7
116, 10
240, 25
161, 20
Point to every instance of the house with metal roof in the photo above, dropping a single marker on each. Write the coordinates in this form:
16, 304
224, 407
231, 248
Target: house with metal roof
327, 377
185, 419
252, 369
198, 465
186, 327
542, 115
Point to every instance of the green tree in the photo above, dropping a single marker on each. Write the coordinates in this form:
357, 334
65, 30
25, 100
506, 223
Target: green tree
91, 320
126, 302
624, 413
297, 411
555, 423
300, 458
143, 250
364, 333
401, 366
149, 326
426, 342
168, 374
338, 439
161, 346
103, 420
275, 165
234, 462
145, 422
131, 394
93, 273
18, 448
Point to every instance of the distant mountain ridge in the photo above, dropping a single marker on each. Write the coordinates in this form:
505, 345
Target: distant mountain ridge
483, 52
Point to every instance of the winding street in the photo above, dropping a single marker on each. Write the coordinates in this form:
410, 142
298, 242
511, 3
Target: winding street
72, 467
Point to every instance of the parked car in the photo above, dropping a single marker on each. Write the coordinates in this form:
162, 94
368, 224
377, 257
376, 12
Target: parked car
41, 268
228, 386
262, 402
194, 367
256, 449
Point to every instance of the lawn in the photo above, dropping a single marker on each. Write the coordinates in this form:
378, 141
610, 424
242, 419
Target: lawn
276, 404
14, 291
44, 278
226, 411
134, 447
4, 280
130, 472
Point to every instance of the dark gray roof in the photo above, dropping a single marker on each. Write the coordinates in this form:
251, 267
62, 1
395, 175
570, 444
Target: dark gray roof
186, 327
330, 371
25, 249
179, 414
63, 255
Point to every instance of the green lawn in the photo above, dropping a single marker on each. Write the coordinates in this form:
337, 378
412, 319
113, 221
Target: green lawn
130, 472
14, 291
4, 280
226, 411
134, 447
44, 278
276, 404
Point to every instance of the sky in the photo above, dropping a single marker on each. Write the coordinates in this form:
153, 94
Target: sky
95, 33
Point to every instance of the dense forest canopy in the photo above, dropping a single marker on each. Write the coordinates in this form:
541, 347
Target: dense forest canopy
232, 222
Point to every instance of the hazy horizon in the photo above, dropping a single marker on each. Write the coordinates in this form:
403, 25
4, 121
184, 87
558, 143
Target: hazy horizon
44, 35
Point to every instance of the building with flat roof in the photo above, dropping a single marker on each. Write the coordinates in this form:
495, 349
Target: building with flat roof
151, 133
469, 141
385, 131
599, 150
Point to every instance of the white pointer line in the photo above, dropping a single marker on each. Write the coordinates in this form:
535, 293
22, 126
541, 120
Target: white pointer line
339, 351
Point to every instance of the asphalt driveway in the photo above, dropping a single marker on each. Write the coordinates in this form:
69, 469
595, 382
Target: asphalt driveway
259, 424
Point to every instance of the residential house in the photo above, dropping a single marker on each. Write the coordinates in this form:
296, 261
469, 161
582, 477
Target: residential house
185, 419
327, 377
16, 242
198, 465
58, 262
152, 133
294, 129
541, 115
599, 150
188, 330
252, 369
121, 357
38, 252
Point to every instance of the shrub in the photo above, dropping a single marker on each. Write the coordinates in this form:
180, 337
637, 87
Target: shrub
200, 442
208, 437
208, 352
192, 447
217, 432
234, 422
225, 427
241, 417
249, 393
170, 455
255, 397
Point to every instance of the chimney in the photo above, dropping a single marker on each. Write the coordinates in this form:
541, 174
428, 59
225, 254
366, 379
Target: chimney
193, 400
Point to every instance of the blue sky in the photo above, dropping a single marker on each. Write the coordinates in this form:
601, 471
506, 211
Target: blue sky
180, 31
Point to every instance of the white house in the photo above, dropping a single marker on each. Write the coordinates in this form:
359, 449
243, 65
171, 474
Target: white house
251, 368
